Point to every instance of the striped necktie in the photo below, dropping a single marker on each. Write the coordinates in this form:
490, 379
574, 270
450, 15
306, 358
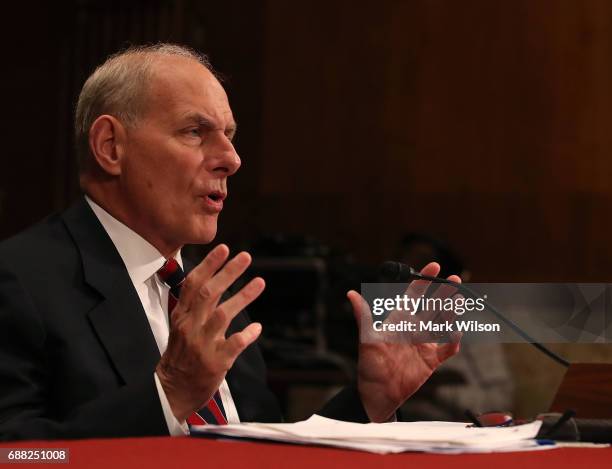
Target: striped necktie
214, 413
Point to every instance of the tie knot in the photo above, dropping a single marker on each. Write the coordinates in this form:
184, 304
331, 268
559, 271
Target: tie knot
171, 273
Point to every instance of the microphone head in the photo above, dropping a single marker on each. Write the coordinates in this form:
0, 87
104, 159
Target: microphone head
390, 271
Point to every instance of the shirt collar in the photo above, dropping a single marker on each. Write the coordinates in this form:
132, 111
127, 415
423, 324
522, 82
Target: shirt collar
141, 258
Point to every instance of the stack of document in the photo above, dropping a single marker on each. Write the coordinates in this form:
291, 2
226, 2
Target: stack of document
396, 437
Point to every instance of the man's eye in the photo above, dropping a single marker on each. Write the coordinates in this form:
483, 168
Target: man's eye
194, 132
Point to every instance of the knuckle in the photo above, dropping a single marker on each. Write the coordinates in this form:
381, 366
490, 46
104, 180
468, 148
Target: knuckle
249, 292
204, 292
240, 341
183, 328
220, 315
239, 263
241, 297
250, 289
188, 284
209, 260
175, 325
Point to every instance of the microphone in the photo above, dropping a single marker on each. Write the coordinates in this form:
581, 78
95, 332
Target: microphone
392, 271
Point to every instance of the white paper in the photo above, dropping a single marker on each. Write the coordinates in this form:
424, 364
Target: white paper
437, 437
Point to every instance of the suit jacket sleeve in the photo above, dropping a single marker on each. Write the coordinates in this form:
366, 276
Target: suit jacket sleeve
346, 405
26, 374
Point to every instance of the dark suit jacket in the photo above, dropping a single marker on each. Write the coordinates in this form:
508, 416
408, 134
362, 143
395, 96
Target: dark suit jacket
77, 354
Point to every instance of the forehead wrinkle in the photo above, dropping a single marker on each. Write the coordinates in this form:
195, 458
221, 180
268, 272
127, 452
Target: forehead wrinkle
202, 120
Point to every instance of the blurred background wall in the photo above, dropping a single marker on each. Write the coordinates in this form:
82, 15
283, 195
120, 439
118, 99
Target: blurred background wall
484, 123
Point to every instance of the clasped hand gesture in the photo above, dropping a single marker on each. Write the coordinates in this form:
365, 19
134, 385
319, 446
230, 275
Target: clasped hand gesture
199, 354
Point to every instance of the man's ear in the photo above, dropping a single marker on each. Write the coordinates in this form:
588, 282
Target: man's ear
106, 138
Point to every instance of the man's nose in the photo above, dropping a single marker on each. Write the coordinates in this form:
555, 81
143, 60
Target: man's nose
224, 159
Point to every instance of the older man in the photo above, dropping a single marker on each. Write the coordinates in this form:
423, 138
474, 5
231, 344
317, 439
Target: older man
100, 333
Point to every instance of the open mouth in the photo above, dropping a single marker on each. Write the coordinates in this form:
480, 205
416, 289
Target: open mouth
214, 200
216, 196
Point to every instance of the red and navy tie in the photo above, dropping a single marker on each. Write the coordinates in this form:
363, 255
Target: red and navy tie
172, 275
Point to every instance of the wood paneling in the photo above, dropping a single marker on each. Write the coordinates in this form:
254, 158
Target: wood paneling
485, 123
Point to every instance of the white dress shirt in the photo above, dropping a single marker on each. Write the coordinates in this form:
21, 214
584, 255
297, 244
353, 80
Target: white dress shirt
142, 262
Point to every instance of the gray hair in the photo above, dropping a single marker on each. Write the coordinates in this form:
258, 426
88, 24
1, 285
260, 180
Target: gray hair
118, 87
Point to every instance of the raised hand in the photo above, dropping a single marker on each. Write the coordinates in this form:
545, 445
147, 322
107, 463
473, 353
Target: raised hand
198, 354
390, 372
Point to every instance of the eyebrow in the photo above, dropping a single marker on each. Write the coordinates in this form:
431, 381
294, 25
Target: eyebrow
203, 121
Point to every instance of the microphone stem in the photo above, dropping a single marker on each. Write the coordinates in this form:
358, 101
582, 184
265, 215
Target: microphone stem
471, 293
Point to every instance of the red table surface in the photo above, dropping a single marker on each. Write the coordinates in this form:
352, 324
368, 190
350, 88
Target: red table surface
194, 453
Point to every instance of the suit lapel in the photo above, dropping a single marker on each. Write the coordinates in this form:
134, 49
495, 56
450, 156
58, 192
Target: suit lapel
119, 319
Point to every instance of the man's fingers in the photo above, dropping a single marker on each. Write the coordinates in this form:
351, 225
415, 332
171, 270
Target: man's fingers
443, 292
202, 273
212, 262
361, 310
226, 311
454, 278
446, 290
419, 287
205, 299
237, 342
445, 351
230, 273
